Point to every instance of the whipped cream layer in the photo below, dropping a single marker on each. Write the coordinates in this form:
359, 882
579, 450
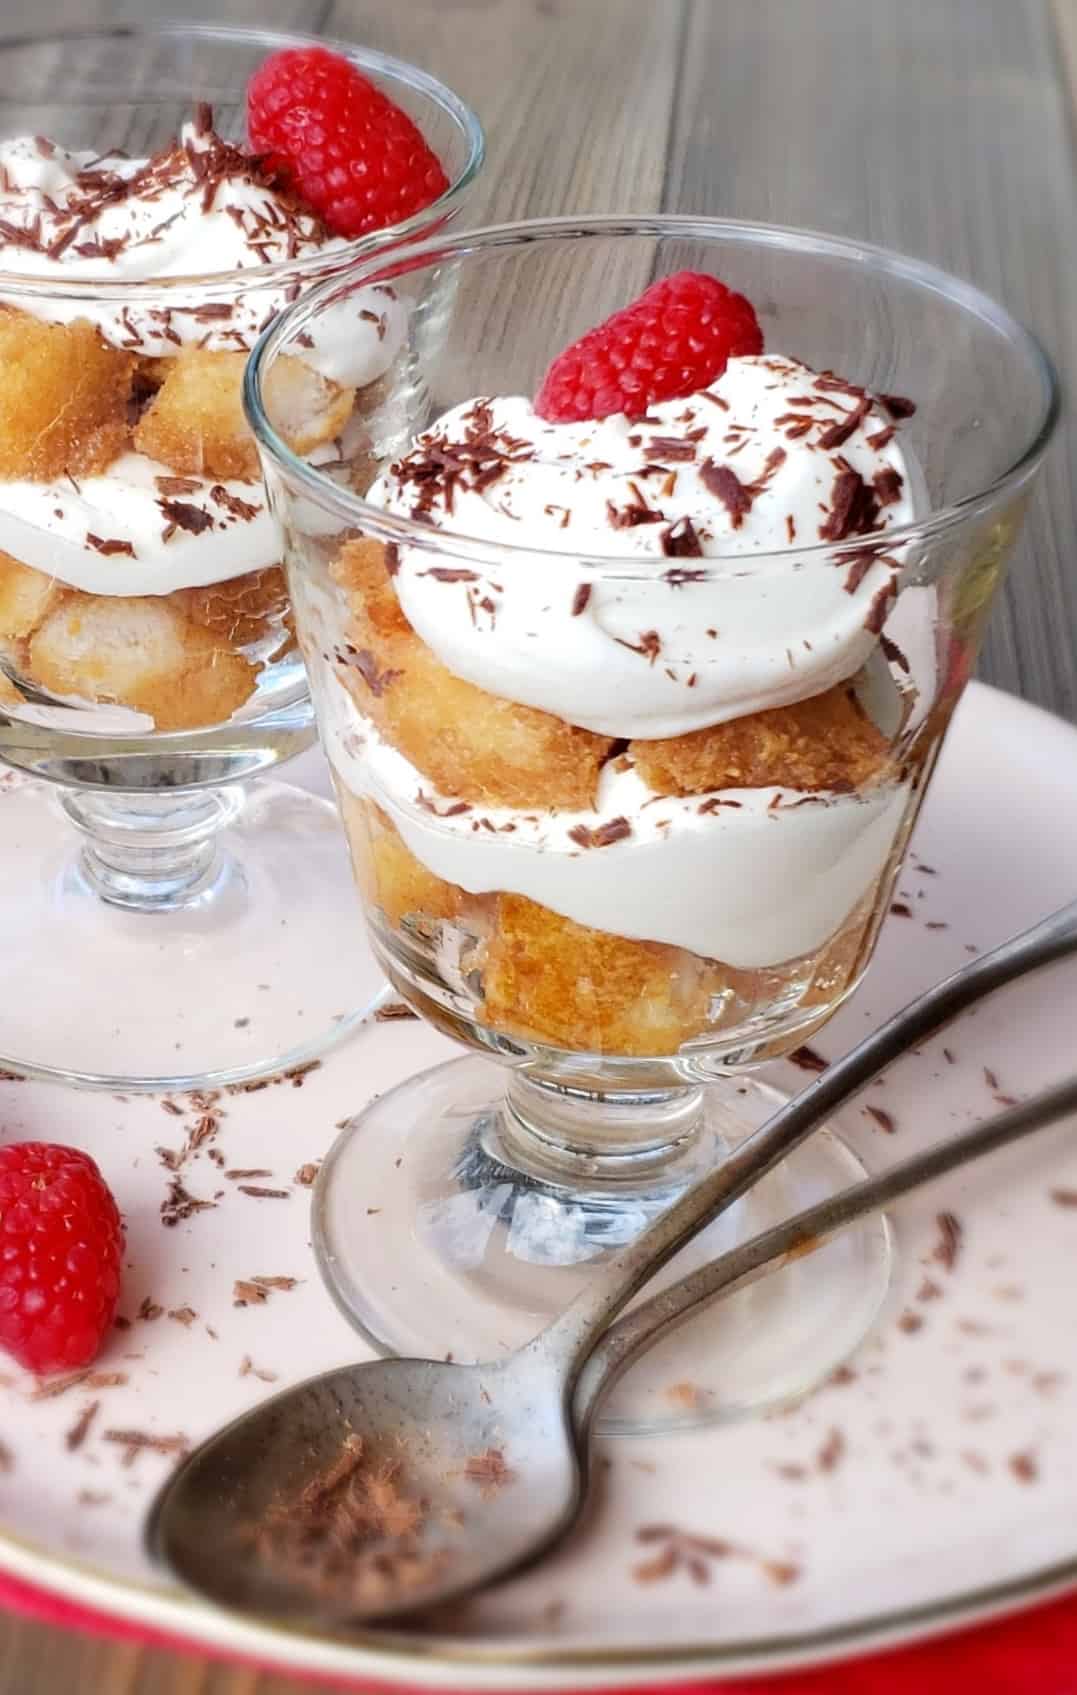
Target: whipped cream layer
198, 209
751, 877
138, 529
771, 458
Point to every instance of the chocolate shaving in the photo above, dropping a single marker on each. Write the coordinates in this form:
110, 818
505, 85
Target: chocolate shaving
350, 1535
827, 383
853, 506
649, 645
614, 830
580, 599
87, 1379
887, 484
897, 405
726, 486
79, 1431
680, 541
261, 1194
247, 1293
183, 516
857, 571
393, 1012
306, 1175
247, 1368
894, 654
109, 546
232, 503
882, 438
808, 1059
879, 610
628, 517
139, 1441
673, 447
949, 1244
179, 1205
832, 1451
836, 435
451, 574
885, 1120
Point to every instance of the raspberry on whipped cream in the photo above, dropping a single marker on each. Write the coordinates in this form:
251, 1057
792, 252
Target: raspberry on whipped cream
772, 458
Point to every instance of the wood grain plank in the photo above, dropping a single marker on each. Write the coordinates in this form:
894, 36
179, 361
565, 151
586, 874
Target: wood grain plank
938, 129
575, 96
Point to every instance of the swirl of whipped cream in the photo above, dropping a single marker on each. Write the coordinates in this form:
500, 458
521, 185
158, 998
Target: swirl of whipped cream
197, 209
137, 528
772, 455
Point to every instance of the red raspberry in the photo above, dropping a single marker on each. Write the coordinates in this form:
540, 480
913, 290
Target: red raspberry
339, 142
676, 338
61, 1241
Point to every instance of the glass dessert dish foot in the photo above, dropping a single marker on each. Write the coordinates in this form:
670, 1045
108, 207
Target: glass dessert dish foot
209, 925
149, 669
633, 637
444, 1223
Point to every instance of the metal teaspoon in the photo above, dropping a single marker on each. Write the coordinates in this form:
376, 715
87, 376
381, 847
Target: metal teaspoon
489, 1460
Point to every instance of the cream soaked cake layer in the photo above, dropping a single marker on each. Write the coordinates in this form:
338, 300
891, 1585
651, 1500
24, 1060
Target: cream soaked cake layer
751, 877
138, 529
736, 510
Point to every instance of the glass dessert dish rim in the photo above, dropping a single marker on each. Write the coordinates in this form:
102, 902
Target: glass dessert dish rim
379, 264
250, 278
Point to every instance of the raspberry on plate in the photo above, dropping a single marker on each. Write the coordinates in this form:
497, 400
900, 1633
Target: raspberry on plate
339, 142
675, 339
61, 1243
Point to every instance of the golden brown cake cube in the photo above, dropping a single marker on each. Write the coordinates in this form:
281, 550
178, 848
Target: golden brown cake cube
470, 744
563, 983
195, 422
64, 396
26, 597
827, 742
141, 652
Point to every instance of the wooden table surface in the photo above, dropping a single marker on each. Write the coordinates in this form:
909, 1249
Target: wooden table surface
942, 127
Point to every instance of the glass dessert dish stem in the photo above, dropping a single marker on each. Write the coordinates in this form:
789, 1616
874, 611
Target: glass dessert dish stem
184, 911
152, 853
552, 1130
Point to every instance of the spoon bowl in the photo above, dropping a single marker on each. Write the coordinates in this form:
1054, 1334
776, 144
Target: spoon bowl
374, 1490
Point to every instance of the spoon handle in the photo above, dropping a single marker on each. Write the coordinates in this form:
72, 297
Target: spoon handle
571, 1337
802, 1234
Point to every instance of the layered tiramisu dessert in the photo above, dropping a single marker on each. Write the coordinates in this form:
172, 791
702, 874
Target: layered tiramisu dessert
139, 563
619, 747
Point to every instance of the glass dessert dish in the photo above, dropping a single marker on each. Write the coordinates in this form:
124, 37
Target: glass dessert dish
148, 665
630, 719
